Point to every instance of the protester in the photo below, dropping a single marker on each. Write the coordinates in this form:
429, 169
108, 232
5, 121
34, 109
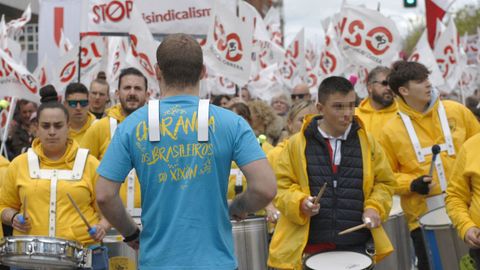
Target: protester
184, 207
76, 102
301, 92
331, 148
423, 121
49, 212
20, 136
380, 106
281, 104
132, 94
98, 97
265, 121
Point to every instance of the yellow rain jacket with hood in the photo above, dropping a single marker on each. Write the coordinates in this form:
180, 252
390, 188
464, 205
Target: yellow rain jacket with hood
401, 155
463, 191
19, 185
291, 233
373, 119
77, 135
98, 137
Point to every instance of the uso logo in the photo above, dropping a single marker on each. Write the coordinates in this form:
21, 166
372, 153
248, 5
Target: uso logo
230, 44
68, 71
377, 40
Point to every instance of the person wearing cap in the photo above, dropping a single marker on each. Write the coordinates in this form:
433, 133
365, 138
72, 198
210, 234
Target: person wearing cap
423, 121
332, 149
182, 149
380, 106
132, 94
76, 102
34, 201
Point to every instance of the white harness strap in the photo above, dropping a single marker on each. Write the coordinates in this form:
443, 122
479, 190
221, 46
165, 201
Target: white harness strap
238, 176
154, 120
113, 126
130, 179
54, 175
422, 152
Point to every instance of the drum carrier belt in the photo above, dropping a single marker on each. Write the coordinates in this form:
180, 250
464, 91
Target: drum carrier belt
54, 175
136, 212
422, 152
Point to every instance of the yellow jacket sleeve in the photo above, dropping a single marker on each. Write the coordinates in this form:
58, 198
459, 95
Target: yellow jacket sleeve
289, 192
403, 180
380, 198
91, 142
459, 195
9, 195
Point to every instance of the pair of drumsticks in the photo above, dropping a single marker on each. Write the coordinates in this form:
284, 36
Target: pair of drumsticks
352, 229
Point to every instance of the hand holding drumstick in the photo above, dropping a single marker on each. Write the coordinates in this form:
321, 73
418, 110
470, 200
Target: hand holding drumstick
310, 206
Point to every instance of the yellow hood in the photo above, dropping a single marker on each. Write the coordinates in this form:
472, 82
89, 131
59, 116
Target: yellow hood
116, 112
67, 158
366, 107
414, 114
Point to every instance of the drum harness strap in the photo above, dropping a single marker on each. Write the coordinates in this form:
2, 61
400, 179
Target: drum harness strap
54, 175
432, 202
136, 212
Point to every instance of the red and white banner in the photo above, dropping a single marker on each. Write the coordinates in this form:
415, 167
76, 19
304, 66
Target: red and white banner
367, 37
16, 80
293, 68
43, 74
447, 53
229, 46
435, 10
142, 55
55, 16
468, 82
266, 85
16, 25
422, 53
117, 51
252, 18
332, 62
273, 23
161, 16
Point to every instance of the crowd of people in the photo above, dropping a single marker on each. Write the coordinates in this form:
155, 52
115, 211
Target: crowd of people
172, 157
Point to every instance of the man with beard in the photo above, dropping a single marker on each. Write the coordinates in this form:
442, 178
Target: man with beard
132, 94
424, 124
380, 106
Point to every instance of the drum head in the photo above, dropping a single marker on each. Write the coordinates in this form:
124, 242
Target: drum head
436, 218
339, 260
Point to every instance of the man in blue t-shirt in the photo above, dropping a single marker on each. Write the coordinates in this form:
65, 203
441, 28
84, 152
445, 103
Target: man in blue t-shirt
183, 175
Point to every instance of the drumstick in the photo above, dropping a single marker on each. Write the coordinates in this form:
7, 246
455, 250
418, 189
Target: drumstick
91, 230
22, 217
352, 229
320, 193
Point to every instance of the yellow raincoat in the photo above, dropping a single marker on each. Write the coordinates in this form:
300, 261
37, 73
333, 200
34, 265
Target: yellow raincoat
373, 119
401, 155
3, 173
97, 138
19, 185
291, 233
463, 191
77, 135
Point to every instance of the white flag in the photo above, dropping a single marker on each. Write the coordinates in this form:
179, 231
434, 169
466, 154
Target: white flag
107, 16
367, 37
423, 54
293, 67
229, 46
65, 44
448, 55
15, 25
331, 61
117, 52
468, 81
251, 17
16, 80
43, 74
273, 23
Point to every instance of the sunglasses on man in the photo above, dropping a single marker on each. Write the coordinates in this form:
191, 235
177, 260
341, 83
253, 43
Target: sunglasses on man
297, 96
384, 82
74, 103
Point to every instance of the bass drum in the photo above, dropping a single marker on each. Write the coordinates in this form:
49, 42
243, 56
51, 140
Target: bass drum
36, 252
251, 243
120, 255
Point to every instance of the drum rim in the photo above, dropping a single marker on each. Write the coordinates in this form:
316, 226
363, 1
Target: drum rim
44, 239
438, 226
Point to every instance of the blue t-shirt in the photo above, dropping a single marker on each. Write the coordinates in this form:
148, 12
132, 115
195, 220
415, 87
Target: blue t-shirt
183, 182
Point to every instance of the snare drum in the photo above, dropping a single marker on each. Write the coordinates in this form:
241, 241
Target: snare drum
36, 252
339, 260
397, 230
251, 244
444, 247
120, 255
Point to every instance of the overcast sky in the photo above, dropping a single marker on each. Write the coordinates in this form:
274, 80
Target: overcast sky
310, 13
